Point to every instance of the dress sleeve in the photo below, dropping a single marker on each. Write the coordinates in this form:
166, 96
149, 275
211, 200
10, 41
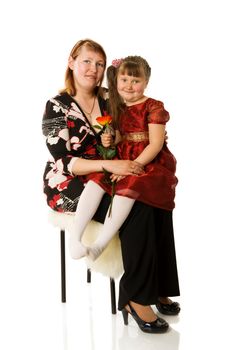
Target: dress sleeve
156, 113
55, 130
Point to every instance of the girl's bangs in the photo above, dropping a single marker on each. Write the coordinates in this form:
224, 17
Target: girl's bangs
131, 69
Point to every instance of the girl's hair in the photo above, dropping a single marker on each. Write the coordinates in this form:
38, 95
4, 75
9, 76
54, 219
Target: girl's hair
69, 80
135, 66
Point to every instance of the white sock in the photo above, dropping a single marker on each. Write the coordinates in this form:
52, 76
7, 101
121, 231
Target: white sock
87, 206
121, 208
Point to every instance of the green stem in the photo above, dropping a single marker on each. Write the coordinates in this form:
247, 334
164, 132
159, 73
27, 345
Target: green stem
113, 194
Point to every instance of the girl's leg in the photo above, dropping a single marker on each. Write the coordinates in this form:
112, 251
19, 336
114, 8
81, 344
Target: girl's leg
121, 208
87, 206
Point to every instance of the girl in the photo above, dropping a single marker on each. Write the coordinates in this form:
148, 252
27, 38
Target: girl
140, 136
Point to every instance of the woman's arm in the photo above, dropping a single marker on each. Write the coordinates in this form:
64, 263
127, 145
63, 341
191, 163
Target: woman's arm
156, 141
55, 129
120, 167
56, 132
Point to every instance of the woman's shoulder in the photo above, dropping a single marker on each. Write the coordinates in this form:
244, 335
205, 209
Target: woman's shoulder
56, 105
64, 99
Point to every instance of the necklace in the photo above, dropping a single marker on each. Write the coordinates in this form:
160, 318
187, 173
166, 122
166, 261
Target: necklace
89, 114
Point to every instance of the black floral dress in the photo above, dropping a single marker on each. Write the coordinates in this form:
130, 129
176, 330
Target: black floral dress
69, 136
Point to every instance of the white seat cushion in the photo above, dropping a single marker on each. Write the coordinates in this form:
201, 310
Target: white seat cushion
109, 263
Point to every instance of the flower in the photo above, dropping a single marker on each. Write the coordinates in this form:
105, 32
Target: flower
117, 62
106, 152
104, 120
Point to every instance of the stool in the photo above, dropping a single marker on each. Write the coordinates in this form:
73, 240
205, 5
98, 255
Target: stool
109, 263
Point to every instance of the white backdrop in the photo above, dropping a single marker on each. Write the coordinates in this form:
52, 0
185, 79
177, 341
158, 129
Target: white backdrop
199, 52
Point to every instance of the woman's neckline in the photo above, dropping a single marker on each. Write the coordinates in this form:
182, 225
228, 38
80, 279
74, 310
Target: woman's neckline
83, 113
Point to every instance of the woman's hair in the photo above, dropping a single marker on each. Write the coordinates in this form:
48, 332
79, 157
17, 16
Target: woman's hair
69, 80
135, 66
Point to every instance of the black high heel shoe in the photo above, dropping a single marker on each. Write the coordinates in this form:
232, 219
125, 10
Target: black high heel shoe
168, 309
157, 326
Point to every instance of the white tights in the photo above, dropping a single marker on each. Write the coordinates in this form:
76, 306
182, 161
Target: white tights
87, 206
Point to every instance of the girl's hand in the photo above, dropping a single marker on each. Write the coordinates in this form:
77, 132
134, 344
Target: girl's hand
106, 139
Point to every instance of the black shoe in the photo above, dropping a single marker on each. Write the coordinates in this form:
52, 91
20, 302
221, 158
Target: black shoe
157, 326
168, 309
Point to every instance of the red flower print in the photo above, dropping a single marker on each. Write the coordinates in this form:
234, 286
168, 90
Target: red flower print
70, 124
63, 185
53, 201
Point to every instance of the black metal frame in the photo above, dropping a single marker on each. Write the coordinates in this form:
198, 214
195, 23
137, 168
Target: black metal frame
63, 276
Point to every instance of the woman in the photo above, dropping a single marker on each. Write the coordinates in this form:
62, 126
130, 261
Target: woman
148, 252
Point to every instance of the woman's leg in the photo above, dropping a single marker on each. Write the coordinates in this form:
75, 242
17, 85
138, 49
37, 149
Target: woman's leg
149, 259
139, 282
87, 206
140, 214
167, 265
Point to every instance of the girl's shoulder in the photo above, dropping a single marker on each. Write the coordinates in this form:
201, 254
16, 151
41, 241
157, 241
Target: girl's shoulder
156, 111
153, 103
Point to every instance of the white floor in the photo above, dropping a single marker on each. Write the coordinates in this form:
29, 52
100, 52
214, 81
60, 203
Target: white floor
215, 296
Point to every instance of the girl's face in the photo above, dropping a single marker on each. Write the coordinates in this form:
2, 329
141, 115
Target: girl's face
88, 69
131, 89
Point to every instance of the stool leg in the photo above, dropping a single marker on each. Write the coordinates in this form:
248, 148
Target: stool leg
63, 273
113, 295
89, 276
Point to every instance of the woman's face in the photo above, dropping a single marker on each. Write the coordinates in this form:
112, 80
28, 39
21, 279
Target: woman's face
88, 69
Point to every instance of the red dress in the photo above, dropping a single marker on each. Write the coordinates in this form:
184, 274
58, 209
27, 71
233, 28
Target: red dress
156, 186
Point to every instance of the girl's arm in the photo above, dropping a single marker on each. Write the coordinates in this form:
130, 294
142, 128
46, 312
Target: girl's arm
156, 141
118, 137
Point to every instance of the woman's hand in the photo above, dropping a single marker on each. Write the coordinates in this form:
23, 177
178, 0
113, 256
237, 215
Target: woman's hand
124, 167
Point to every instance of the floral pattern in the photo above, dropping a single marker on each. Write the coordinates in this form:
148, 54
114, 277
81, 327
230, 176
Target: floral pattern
69, 136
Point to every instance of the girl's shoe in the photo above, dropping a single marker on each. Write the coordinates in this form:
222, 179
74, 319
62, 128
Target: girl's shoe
157, 326
168, 309
94, 251
77, 249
